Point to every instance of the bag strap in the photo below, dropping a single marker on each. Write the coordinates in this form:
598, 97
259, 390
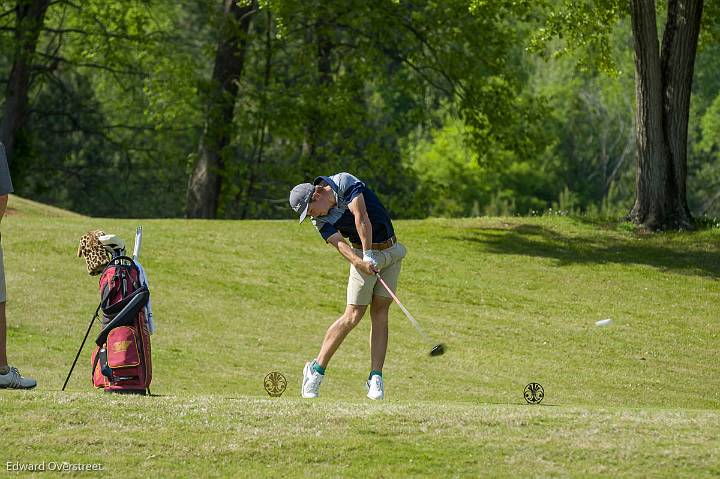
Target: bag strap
126, 315
113, 309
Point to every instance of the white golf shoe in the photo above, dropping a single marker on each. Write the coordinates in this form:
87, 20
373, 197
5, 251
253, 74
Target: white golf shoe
311, 381
13, 380
375, 387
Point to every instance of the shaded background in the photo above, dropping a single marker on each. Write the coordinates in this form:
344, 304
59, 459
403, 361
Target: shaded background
446, 109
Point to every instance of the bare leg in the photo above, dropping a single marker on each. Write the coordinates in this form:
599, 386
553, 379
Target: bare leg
3, 352
379, 331
338, 330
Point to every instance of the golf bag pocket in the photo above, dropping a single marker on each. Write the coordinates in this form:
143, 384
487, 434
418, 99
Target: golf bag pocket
127, 365
122, 350
99, 380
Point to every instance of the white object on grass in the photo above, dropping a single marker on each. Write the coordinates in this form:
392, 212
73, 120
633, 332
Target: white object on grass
603, 322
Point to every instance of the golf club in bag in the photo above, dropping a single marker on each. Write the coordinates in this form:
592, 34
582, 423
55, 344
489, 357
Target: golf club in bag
437, 349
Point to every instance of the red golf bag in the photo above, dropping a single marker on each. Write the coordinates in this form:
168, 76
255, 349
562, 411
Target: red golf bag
121, 359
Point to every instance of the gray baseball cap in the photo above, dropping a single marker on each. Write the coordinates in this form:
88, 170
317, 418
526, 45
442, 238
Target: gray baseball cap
300, 197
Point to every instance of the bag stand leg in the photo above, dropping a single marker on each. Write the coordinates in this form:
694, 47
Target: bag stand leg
81, 346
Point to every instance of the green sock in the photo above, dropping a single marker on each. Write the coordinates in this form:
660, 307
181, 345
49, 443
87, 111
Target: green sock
374, 373
4, 369
316, 366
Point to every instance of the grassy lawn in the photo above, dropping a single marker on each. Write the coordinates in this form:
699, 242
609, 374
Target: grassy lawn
514, 299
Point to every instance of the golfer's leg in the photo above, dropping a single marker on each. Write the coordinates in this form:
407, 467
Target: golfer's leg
3, 327
338, 330
381, 300
379, 331
359, 296
3, 352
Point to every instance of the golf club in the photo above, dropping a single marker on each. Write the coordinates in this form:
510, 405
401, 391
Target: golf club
437, 349
81, 346
138, 243
114, 245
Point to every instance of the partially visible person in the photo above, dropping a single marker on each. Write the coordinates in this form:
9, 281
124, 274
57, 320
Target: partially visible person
10, 377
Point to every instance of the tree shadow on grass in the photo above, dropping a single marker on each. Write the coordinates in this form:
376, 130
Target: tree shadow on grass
539, 241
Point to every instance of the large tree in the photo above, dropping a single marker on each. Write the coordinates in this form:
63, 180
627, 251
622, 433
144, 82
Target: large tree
321, 36
30, 15
205, 183
663, 82
662, 90
75, 77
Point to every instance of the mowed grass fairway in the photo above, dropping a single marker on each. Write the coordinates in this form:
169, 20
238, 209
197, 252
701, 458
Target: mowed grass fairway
514, 299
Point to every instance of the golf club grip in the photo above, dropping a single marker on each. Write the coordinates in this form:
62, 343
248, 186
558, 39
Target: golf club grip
138, 243
404, 309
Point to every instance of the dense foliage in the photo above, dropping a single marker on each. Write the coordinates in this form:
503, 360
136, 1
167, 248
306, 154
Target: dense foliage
454, 108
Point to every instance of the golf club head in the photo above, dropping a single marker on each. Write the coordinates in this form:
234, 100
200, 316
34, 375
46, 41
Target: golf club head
437, 350
113, 244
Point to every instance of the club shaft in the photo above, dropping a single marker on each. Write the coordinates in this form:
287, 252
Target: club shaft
404, 309
81, 347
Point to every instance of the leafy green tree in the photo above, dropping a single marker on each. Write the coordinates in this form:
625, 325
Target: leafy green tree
662, 89
113, 108
591, 121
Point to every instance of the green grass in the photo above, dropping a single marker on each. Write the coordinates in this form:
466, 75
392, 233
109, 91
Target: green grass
514, 299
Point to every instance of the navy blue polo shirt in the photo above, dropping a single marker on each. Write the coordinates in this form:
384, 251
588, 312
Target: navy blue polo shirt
340, 219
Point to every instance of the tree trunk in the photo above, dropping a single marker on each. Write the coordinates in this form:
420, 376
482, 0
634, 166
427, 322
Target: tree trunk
205, 183
30, 16
677, 62
653, 153
259, 147
314, 127
662, 89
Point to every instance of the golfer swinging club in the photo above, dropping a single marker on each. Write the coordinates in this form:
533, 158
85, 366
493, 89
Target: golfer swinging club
342, 206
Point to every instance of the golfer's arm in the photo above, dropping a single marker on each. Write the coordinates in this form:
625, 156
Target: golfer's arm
362, 221
344, 249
